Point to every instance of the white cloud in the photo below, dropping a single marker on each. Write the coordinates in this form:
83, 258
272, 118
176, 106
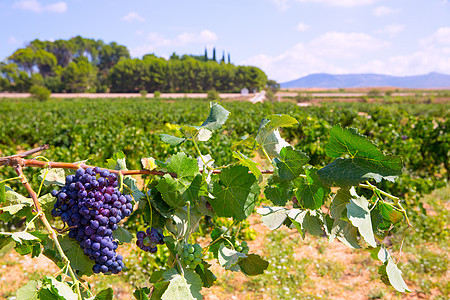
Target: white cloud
281, 4
156, 40
133, 16
302, 27
322, 54
381, 11
345, 45
441, 38
345, 3
38, 7
392, 30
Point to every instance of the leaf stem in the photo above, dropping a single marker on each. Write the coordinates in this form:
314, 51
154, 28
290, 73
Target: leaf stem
10, 179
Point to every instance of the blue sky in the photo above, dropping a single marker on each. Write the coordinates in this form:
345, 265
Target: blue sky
286, 38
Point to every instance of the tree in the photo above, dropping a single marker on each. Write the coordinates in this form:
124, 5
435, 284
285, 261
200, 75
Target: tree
206, 55
24, 58
79, 76
214, 54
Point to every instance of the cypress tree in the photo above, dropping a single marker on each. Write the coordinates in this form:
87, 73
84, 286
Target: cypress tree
206, 54
229, 60
214, 54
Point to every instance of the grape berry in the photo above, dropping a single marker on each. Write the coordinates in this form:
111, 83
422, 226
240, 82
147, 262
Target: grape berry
243, 247
91, 204
149, 239
192, 255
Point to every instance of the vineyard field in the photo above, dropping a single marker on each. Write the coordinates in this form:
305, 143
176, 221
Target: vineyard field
96, 130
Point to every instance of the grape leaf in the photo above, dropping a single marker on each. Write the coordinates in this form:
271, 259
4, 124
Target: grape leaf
54, 176
29, 291
117, 162
149, 163
106, 294
278, 191
338, 205
290, 163
359, 214
63, 289
305, 220
228, 258
182, 165
21, 235
122, 235
78, 260
273, 217
395, 276
132, 184
208, 278
247, 162
141, 293
158, 290
346, 233
357, 160
253, 265
389, 213
171, 140
234, 194
217, 117
311, 191
268, 136
182, 287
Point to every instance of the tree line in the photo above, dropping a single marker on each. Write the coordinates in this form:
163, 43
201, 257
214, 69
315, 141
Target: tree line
82, 65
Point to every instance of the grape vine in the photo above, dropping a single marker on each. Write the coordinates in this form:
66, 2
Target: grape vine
177, 193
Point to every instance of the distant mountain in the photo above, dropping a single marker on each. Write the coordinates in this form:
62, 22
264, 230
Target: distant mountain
323, 80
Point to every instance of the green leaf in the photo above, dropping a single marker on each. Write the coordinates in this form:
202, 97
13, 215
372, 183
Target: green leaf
389, 213
141, 293
311, 191
132, 184
182, 165
178, 222
22, 235
253, 265
117, 162
208, 278
2, 193
362, 160
203, 135
182, 287
11, 197
217, 117
149, 163
395, 277
229, 258
63, 289
338, 205
159, 289
290, 164
268, 136
359, 214
106, 294
122, 235
29, 291
345, 172
273, 217
171, 140
47, 203
78, 260
345, 233
168, 187
13, 209
247, 162
306, 220
234, 194
54, 176
278, 191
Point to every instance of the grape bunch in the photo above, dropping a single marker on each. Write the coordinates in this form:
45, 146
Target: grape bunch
150, 239
243, 247
91, 204
192, 255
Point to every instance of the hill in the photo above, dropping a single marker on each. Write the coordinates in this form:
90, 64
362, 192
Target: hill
323, 80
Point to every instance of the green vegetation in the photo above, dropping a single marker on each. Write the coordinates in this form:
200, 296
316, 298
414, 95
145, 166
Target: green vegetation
420, 137
83, 65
